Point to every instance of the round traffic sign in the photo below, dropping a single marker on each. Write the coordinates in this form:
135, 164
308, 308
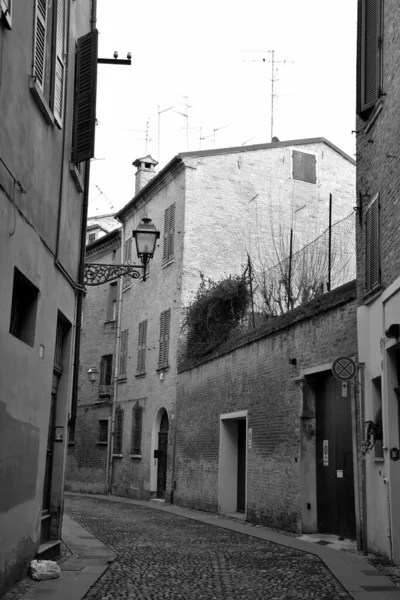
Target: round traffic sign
344, 368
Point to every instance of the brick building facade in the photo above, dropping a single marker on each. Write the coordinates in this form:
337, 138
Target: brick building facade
270, 379
212, 208
378, 263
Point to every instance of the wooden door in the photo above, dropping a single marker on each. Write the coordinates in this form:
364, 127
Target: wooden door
241, 473
162, 455
334, 454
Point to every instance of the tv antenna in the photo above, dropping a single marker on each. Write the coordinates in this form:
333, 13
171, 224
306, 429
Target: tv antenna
159, 128
101, 193
186, 115
213, 134
273, 78
147, 139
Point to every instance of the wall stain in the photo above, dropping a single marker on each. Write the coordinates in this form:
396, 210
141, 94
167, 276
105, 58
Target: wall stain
19, 458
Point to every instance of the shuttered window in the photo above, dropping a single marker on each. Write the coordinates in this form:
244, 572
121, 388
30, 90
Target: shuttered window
126, 280
369, 55
112, 302
169, 231
118, 430
39, 52
106, 369
123, 354
372, 250
165, 319
304, 167
103, 431
85, 98
59, 60
141, 358
136, 440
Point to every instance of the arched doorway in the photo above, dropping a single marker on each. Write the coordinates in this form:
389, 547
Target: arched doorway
162, 455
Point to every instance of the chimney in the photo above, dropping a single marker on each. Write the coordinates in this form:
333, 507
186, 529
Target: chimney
145, 171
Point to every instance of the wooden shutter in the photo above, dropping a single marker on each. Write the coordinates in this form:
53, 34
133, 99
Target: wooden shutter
106, 370
85, 98
369, 54
123, 353
39, 52
103, 430
141, 359
304, 166
171, 231
164, 338
137, 419
166, 234
372, 253
127, 260
118, 431
59, 63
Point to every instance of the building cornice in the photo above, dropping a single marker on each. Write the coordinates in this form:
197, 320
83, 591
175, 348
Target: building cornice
104, 244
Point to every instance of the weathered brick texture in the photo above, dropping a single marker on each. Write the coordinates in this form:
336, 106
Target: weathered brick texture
254, 374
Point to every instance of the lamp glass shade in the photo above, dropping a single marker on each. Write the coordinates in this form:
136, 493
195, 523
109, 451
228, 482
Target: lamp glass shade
93, 375
146, 236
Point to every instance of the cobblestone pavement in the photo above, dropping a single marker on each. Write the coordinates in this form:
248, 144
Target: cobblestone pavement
164, 556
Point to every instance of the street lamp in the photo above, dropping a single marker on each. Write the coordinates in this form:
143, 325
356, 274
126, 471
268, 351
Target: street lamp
146, 236
93, 374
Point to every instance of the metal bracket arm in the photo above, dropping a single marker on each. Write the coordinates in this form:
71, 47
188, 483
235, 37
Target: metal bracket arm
97, 274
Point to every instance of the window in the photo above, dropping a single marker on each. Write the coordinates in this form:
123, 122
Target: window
372, 242
123, 354
127, 261
369, 55
71, 433
141, 359
103, 431
169, 230
304, 167
118, 430
6, 7
58, 351
136, 441
23, 309
92, 238
112, 302
377, 409
106, 369
50, 49
164, 339
114, 256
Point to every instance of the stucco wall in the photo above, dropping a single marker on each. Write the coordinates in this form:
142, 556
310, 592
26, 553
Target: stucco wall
256, 377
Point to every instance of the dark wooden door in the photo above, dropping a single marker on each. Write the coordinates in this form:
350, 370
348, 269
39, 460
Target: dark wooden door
49, 455
241, 473
162, 455
335, 477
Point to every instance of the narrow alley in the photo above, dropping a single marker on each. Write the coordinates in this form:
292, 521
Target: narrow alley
161, 555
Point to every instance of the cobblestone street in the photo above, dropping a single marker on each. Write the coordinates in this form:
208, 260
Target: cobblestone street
161, 555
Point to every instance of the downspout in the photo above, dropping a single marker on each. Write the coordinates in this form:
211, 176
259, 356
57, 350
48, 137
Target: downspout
110, 462
81, 272
363, 461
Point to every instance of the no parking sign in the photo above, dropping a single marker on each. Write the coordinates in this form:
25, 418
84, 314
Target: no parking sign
344, 368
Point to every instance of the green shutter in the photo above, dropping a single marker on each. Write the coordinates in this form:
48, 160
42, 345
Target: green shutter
85, 98
39, 52
164, 339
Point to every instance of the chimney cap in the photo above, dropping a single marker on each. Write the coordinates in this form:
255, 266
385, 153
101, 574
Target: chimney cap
144, 159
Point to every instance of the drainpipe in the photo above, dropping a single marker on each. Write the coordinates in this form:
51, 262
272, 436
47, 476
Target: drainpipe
81, 272
363, 460
389, 530
110, 461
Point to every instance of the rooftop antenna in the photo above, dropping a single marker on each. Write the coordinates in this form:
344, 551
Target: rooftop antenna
103, 194
201, 129
146, 131
213, 134
186, 115
159, 128
247, 141
273, 78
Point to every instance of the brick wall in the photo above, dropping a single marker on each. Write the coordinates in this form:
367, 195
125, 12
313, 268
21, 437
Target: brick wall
254, 374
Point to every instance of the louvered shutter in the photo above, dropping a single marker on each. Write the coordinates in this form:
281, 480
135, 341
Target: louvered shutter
162, 335
171, 231
164, 338
123, 353
118, 431
85, 98
372, 254
141, 359
137, 418
59, 67
166, 234
39, 52
369, 53
127, 260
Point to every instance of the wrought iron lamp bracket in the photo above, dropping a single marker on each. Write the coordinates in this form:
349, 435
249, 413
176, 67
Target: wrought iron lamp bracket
97, 273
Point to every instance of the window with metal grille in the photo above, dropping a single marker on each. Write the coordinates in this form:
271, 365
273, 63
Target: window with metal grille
126, 280
49, 54
141, 358
169, 231
165, 319
136, 442
103, 431
118, 430
369, 55
23, 309
106, 369
372, 243
123, 353
304, 167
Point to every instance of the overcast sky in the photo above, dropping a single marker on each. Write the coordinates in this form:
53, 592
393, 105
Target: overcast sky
209, 55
